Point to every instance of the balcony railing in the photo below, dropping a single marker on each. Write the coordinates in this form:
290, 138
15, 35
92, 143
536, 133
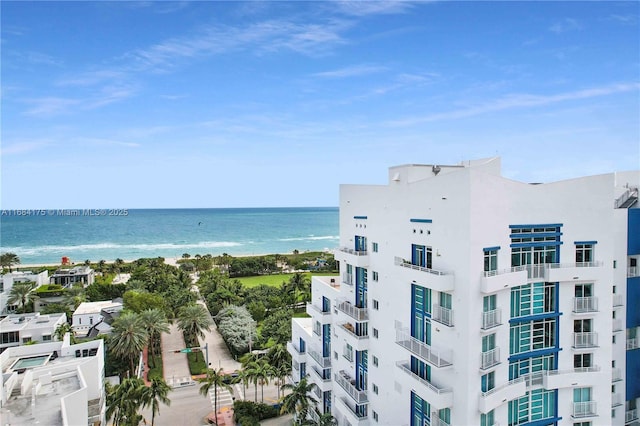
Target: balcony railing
584, 409
617, 325
311, 308
443, 315
631, 415
618, 300
360, 418
353, 251
632, 271
347, 278
405, 263
633, 343
348, 327
319, 375
406, 367
437, 421
349, 385
616, 400
359, 314
323, 361
434, 356
616, 375
491, 319
489, 358
585, 304
293, 347
503, 386
538, 270
593, 264
585, 340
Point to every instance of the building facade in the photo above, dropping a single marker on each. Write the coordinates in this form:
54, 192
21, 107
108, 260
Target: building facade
8, 280
70, 276
468, 298
89, 314
25, 329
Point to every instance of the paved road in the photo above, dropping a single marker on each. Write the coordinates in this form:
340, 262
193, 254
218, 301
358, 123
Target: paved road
175, 365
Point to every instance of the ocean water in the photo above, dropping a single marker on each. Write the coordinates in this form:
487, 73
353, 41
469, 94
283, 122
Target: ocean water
45, 236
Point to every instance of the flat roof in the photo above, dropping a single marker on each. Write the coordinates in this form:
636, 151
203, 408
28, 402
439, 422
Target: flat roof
95, 307
17, 322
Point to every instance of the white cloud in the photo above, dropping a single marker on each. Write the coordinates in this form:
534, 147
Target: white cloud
367, 7
352, 71
567, 24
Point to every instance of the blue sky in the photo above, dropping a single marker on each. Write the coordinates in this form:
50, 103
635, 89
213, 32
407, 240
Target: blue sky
273, 103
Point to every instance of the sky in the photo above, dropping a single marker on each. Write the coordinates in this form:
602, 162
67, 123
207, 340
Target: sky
274, 104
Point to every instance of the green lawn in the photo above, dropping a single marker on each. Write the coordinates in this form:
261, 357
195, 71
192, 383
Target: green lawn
199, 366
157, 370
274, 280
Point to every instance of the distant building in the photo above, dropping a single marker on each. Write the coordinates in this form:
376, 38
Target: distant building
53, 383
68, 277
20, 329
466, 298
7, 281
95, 316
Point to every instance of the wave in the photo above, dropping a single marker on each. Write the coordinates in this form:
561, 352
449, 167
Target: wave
311, 237
112, 246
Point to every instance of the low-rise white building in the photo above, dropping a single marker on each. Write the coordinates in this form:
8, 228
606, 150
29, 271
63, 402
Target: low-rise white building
53, 383
90, 314
67, 277
21, 329
7, 281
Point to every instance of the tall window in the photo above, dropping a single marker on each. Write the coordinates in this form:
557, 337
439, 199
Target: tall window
534, 405
488, 382
532, 335
374, 247
581, 401
421, 311
584, 253
584, 290
488, 342
532, 299
491, 260
582, 360
361, 243
421, 256
489, 303
487, 419
445, 300
420, 411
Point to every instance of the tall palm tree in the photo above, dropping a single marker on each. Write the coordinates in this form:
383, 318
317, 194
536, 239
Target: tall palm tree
21, 294
299, 400
299, 283
215, 380
7, 260
326, 419
280, 360
63, 329
194, 320
124, 401
128, 338
155, 322
244, 376
260, 372
101, 265
155, 394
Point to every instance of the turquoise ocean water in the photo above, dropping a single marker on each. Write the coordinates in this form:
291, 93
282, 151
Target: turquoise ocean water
44, 237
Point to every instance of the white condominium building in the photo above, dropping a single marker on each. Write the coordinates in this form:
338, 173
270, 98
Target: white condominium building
465, 298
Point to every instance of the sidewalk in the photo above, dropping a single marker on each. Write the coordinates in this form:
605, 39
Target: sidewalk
176, 366
219, 355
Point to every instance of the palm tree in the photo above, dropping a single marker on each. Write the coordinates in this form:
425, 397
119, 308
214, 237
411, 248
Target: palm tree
101, 265
326, 419
244, 376
155, 322
194, 320
260, 372
124, 401
74, 296
215, 380
299, 283
299, 400
155, 394
280, 360
63, 329
21, 294
129, 337
7, 260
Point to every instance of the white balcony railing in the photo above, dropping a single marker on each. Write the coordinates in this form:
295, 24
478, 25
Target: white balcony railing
437, 421
348, 327
585, 304
489, 358
633, 343
319, 375
434, 356
616, 400
584, 409
313, 309
353, 251
616, 325
503, 386
616, 374
294, 348
323, 361
349, 385
633, 271
585, 340
405, 263
631, 415
359, 314
491, 319
406, 367
443, 315
618, 300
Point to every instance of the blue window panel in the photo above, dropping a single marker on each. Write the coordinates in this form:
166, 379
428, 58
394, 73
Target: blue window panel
360, 243
303, 345
361, 288
633, 232
420, 313
421, 220
326, 402
361, 370
359, 217
303, 370
326, 304
491, 248
326, 340
420, 411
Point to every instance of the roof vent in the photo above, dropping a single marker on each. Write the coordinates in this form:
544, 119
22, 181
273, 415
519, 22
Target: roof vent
435, 170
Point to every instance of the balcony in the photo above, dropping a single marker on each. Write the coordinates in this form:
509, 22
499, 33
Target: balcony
437, 395
348, 327
349, 385
491, 319
322, 384
616, 374
497, 396
437, 421
580, 377
318, 314
616, 325
493, 281
434, 279
348, 409
585, 340
322, 361
583, 305
584, 409
442, 315
618, 300
296, 355
572, 271
347, 278
616, 400
630, 415
358, 314
633, 271
490, 358
434, 356
357, 258
633, 343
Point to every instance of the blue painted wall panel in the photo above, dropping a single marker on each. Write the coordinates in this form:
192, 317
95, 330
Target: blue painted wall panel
633, 299
633, 239
633, 372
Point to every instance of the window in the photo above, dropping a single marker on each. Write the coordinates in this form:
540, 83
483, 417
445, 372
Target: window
534, 405
421, 256
488, 382
376, 305
488, 342
584, 253
375, 361
375, 276
26, 339
582, 402
589, 423
10, 337
582, 360
46, 337
490, 260
582, 326
532, 299
375, 333
375, 388
90, 320
584, 290
335, 355
532, 335
375, 416
374, 247
531, 365
487, 419
347, 352
317, 328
